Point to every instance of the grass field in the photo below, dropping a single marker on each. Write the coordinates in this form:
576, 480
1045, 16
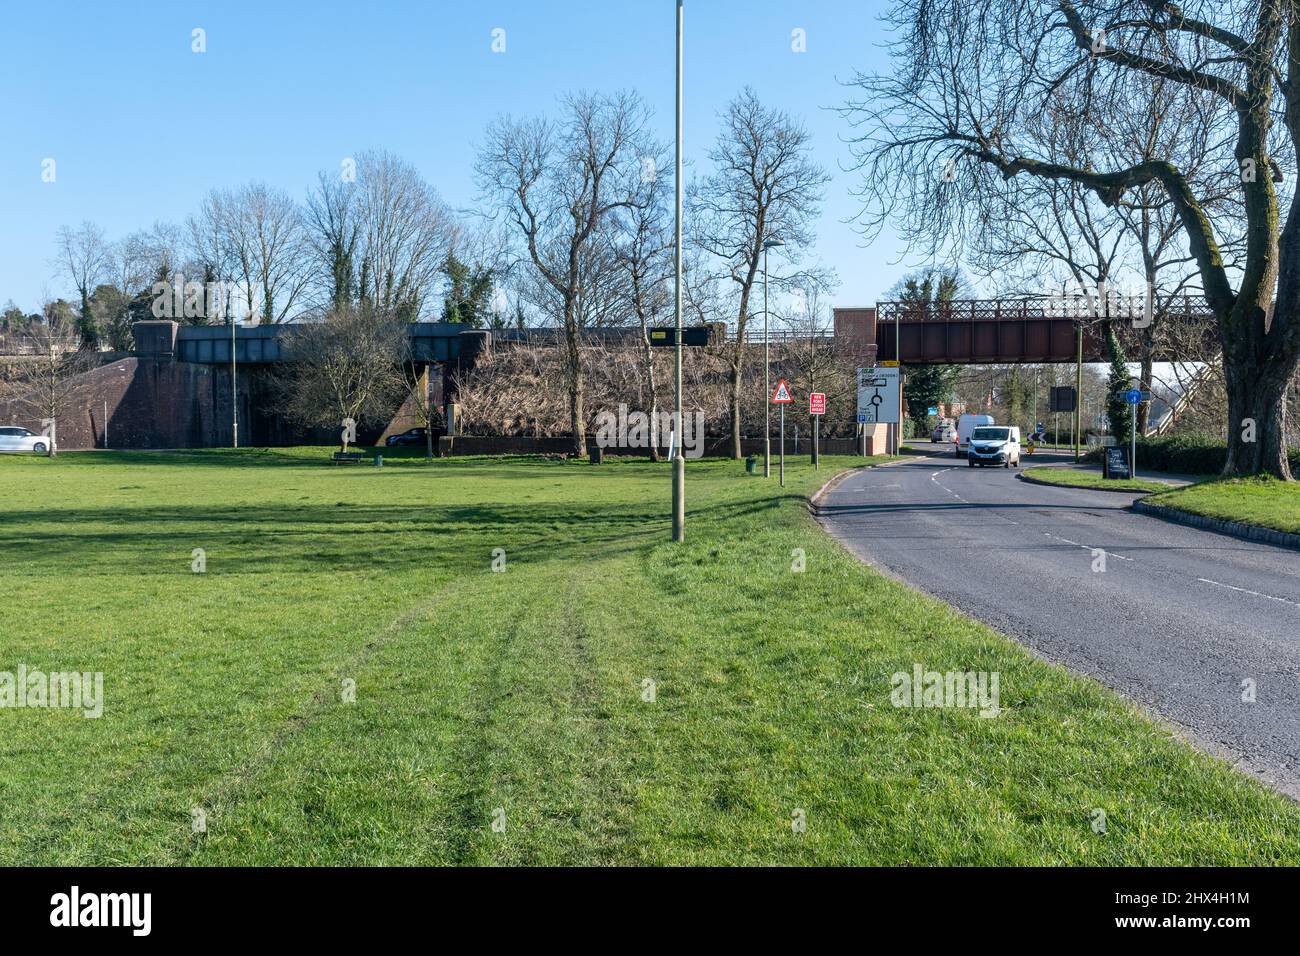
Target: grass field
1264, 502
1073, 478
526, 690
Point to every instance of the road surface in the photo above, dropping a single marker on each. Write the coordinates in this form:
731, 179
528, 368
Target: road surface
1177, 621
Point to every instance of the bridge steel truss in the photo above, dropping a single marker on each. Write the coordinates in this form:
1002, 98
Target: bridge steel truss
1005, 331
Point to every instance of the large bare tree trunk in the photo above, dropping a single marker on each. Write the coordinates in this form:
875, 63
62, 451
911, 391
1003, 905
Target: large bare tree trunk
736, 359
648, 364
573, 359
1258, 400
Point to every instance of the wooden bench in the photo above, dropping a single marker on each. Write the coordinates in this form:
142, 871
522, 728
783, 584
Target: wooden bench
348, 456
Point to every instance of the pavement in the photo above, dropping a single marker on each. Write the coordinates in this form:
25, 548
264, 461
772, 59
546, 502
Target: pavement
1178, 619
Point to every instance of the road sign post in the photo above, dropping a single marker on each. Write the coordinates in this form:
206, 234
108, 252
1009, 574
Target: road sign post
782, 476
879, 401
679, 460
1063, 399
1133, 396
816, 408
783, 398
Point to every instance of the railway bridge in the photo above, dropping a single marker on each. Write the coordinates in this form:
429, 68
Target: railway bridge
1006, 331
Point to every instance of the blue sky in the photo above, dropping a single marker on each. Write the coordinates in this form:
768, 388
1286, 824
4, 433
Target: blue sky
141, 127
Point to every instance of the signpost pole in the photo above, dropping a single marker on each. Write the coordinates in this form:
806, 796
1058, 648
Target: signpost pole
782, 446
679, 460
1078, 392
234, 389
898, 357
816, 409
1132, 442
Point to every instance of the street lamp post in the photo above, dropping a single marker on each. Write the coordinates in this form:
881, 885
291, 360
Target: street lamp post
679, 460
234, 388
767, 370
1078, 390
898, 357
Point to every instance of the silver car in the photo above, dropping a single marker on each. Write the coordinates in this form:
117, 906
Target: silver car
17, 438
943, 433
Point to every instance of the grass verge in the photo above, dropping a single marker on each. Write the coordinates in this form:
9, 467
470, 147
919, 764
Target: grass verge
608, 697
1263, 502
1072, 478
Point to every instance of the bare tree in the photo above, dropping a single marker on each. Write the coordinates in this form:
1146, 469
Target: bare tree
256, 233
764, 186
644, 253
970, 75
418, 382
1041, 231
332, 221
50, 375
84, 257
403, 232
346, 366
127, 274
809, 352
556, 184
1157, 122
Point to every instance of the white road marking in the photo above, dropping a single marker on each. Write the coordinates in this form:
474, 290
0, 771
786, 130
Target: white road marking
1232, 587
946, 488
1086, 547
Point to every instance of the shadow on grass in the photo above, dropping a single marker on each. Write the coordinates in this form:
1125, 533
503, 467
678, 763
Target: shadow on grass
341, 537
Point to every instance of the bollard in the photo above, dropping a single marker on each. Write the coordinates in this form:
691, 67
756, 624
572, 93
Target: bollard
379, 461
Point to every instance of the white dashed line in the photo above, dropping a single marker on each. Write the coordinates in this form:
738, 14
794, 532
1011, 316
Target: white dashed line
1231, 587
945, 487
1086, 547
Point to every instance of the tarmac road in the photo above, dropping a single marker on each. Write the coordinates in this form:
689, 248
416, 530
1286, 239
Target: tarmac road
1177, 621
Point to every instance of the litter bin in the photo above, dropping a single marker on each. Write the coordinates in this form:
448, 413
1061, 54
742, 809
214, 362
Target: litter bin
751, 464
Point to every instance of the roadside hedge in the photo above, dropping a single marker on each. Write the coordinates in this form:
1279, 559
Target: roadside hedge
1191, 454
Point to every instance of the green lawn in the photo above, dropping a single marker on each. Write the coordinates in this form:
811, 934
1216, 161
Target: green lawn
1073, 478
523, 690
1265, 502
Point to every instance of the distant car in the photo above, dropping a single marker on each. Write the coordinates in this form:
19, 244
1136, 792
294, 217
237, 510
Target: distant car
994, 445
412, 436
17, 438
943, 432
965, 425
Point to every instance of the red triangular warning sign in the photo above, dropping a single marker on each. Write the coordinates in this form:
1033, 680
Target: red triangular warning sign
782, 394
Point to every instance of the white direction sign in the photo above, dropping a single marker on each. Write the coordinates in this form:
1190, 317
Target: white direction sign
878, 395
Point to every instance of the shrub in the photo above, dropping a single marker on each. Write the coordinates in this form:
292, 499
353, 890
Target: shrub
1190, 454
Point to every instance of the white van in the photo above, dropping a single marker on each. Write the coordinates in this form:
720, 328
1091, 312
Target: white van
965, 425
994, 445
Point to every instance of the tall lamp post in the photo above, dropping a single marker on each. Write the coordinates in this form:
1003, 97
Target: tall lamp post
234, 387
679, 460
767, 370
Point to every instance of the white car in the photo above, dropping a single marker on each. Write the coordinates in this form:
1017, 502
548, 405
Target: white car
17, 438
994, 445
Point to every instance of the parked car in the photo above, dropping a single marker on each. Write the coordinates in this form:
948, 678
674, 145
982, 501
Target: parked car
965, 425
412, 436
994, 445
945, 431
17, 438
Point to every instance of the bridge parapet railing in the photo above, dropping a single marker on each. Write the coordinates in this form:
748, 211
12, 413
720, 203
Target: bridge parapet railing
1077, 308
